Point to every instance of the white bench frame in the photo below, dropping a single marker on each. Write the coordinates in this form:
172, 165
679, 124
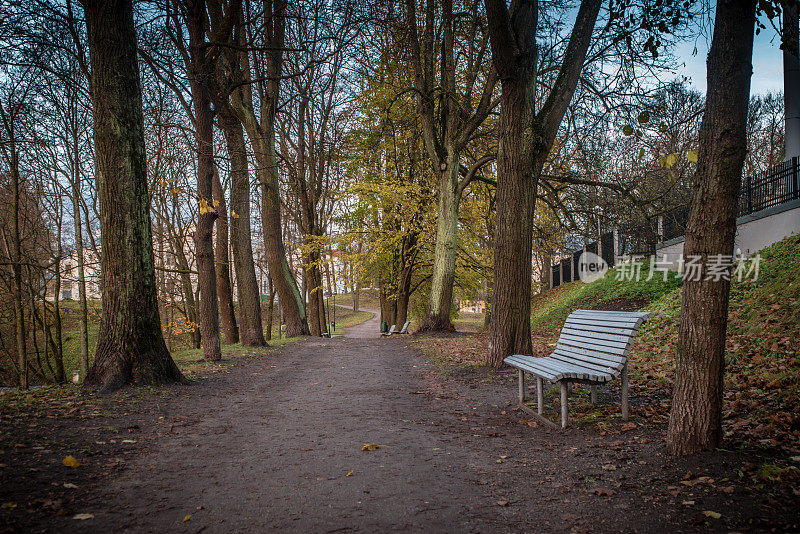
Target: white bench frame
404, 330
592, 349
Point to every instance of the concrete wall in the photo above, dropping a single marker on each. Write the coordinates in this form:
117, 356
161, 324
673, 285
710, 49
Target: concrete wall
753, 232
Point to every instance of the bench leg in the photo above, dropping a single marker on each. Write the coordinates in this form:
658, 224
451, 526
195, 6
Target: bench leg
594, 394
625, 393
521, 375
539, 395
563, 405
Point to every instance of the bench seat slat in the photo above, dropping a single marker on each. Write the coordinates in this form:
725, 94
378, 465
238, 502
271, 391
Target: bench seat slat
602, 368
562, 369
573, 369
555, 369
525, 366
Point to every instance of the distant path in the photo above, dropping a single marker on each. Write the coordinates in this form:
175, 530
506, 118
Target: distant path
369, 329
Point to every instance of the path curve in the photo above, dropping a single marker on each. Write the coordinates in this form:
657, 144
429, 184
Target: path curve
369, 329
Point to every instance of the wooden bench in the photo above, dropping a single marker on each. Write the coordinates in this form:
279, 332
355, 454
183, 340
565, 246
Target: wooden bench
592, 349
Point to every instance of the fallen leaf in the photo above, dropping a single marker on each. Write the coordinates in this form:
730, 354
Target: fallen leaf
83, 517
349, 473
10, 505
609, 467
128, 441
502, 503
687, 503
70, 485
628, 426
187, 518
604, 492
370, 447
714, 515
70, 461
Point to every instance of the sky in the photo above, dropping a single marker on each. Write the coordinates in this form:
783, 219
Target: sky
767, 62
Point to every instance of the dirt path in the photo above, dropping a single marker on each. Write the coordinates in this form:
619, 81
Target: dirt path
275, 445
369, 329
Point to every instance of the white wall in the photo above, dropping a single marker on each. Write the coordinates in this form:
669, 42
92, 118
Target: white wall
753, 232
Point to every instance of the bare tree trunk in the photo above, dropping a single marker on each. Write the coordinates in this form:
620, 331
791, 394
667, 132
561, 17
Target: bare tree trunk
251, 329
224, 290
695, 422
16, 268
59, 341
83, 324
130, 347
203, 118
262, 136
270, 308
525, 142
444, 266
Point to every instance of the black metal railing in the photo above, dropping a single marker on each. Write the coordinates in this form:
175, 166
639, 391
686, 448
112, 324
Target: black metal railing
767, 189
770, 188
566, 271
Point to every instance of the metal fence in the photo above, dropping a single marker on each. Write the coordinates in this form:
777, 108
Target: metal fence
771, 188
567, 269
767, 189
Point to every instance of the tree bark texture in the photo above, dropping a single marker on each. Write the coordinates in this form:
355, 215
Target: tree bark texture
262, 137
222, 267
130, 347
204, 140
695, 422
525, 142
251, 331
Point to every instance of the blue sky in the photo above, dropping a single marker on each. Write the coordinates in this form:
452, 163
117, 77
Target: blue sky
767, 62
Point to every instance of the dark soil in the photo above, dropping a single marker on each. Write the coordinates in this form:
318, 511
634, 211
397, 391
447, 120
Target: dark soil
276, 444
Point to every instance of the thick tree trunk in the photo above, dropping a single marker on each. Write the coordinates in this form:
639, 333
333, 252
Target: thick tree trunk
525, 143
516, 198
204, 139
130, 347
291, 300
696, 418
251, 330
314, 320
222, 267
444, 267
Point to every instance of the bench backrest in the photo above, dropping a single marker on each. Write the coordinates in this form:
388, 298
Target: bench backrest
599, 337
392, 329
404, 330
